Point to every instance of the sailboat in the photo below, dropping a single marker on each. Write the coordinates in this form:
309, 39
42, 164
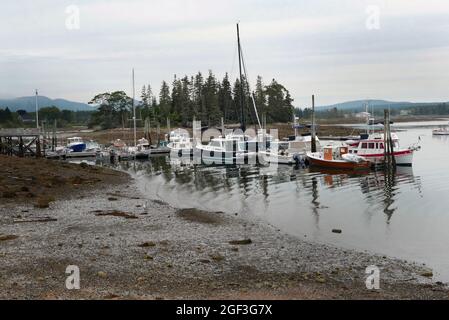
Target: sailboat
231, 148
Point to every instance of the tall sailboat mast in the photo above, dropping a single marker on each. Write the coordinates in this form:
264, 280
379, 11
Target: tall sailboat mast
243, 124
134, 113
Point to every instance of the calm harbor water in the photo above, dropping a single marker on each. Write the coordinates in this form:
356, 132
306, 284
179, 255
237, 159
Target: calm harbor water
403, 215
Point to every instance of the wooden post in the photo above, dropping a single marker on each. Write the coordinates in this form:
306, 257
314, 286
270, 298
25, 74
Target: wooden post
389, 159
21, 149
38, 147
149, 130
53, 138
313, 142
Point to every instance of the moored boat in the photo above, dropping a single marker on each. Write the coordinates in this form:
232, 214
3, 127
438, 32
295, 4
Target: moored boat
223, 151
373, 149
337, 157
76, 144
142, 150
288, 152
440, 132
180, 142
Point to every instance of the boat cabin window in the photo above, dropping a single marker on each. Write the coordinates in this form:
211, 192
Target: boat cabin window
364, 145
229, 145
215, 144
371, 145
381, 145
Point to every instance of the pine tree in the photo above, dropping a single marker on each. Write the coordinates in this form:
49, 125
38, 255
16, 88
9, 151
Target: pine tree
144, 97
247, 111
225, 99
187, 104
164, 102
149, 94
260, 97
176, 99
211, 112
198, 96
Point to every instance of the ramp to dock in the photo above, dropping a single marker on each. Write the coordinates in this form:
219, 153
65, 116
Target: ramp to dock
20, 142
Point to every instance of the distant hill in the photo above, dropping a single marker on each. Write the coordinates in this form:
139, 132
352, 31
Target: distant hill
359, 105
29, 104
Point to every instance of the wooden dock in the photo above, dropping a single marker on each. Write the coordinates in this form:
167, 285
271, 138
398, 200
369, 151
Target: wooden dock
20, 142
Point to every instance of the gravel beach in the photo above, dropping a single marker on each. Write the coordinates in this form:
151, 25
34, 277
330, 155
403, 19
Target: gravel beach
129, 247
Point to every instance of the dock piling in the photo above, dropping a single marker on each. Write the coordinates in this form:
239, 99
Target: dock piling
389, 160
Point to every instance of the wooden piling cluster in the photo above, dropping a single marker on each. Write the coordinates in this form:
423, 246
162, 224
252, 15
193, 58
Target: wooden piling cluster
20, 142
389, 160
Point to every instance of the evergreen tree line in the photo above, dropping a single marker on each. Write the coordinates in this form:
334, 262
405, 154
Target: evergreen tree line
8, 119
426, 109
22, 118
415, 109
197, 97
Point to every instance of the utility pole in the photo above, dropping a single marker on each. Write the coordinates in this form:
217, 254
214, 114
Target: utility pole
37, 112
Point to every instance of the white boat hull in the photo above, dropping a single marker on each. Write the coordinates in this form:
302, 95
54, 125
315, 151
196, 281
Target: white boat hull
440, 133
264, 156
220, 157
402, 158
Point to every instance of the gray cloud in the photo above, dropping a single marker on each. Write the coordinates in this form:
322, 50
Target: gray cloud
320, 47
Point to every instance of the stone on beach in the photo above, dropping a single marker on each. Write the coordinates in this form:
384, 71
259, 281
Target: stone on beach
241, 242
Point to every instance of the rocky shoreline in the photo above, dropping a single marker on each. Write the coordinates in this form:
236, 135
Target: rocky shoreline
129, 247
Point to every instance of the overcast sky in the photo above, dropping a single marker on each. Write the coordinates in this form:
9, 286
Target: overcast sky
337, 50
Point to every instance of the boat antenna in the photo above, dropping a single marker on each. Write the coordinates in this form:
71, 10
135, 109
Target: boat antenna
367, 117
243, 124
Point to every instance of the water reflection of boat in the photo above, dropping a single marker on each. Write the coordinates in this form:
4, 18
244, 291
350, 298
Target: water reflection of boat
336, 171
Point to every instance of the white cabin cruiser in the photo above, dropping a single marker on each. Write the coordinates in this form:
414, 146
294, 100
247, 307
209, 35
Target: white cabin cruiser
224, 151
373, 149
180, 142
